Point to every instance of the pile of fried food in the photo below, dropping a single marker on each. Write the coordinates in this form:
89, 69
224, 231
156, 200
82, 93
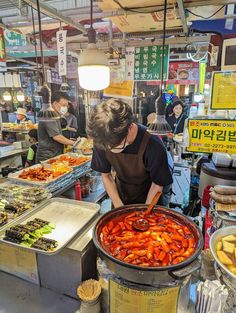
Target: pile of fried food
167, 242
69, 160
31, 235
43, 174
226, 252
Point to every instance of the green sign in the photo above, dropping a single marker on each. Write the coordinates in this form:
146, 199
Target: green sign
13, 39
147, 63
31, 54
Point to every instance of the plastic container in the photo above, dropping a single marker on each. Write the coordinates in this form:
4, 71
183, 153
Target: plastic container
193, 110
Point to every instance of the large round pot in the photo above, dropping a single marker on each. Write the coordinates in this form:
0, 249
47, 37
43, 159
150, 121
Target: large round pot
148, 275
222, 232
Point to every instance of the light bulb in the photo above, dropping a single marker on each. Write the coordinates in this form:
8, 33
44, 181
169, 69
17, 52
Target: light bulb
7, 96
20, 96
94, 72
94, 77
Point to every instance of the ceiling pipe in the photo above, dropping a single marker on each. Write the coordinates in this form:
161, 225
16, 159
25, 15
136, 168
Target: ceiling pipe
182, 16
48, 10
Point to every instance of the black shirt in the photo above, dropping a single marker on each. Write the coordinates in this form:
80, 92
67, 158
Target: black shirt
47, 147
155, 158
176, 124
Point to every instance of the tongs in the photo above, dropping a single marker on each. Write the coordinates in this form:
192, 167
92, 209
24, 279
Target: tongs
74, 147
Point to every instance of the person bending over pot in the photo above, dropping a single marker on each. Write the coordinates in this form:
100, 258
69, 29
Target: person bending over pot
138, 158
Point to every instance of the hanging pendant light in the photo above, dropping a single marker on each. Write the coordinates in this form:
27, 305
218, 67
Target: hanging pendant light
94, 72
7, 96
20, 96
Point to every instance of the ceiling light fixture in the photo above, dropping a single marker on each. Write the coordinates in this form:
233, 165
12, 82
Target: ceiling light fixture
20, 96
7, 96
94, 72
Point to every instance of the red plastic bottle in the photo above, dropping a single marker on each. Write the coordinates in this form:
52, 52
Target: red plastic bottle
78, 195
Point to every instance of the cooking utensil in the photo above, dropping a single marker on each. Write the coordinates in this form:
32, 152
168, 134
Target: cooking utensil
142, 224
147, 275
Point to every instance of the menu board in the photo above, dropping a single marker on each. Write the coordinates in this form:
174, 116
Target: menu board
208, 136
223, 91
129, 300
147, 63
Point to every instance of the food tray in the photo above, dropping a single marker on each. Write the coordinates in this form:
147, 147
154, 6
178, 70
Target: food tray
13, 177
69, 216
78, 170
73, 155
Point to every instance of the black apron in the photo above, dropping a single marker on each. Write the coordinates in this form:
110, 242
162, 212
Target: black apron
132, 180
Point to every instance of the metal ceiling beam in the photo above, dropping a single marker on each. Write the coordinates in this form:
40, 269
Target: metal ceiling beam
207, 3
47, 10
182, 16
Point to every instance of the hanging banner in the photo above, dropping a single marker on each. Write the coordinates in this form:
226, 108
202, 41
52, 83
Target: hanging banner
202, 76
129, 63
62, 55
124, 299
13, 39
208, 136
223, 91
120, 90
147, 63
2, 49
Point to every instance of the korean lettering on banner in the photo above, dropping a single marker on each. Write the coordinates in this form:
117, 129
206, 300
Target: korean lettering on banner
147, 63
2, 48
62, 53
129, 63
210, 136
14, 39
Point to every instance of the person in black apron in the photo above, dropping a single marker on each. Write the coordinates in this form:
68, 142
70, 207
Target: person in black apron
177, 119
138, 158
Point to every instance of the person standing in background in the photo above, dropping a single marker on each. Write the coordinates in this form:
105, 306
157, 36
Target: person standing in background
177, 119
4, 108
72, 124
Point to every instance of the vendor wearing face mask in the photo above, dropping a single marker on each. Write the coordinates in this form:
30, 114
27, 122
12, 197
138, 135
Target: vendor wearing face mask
138, 158
51, 141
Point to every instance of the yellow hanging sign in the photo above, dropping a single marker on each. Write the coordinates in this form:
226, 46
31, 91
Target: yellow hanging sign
223, 91
120, 90
128, 300
208, 136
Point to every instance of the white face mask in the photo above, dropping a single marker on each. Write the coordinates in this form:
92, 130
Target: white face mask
63, 110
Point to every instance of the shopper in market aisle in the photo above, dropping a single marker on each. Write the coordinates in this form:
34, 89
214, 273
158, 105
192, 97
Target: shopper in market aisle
51, 141
177, 119
31, 155
138, 158
21, 116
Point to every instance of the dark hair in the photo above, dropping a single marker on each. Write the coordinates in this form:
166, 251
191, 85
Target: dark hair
71, 109
58, 95
63, 122
177, 102
33, 134
109, 123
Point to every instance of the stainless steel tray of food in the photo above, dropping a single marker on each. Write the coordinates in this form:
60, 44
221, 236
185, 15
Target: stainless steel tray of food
68, 216
14, 177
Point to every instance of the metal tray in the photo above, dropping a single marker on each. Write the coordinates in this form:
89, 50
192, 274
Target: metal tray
13, 177
69, 216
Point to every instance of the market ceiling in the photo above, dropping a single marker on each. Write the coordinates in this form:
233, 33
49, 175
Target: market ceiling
140, 20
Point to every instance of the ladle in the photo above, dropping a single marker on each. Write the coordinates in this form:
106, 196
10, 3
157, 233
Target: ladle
142, 224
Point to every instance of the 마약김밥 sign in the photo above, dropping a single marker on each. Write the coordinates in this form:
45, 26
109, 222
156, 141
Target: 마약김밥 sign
208, 136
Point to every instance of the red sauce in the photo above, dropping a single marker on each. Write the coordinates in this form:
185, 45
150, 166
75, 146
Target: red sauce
166, 242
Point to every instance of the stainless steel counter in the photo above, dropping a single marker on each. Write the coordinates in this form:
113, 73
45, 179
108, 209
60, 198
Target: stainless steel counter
19, 296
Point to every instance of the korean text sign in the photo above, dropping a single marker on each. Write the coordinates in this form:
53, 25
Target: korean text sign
223, 91
62, 54
210, 136
147, 63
